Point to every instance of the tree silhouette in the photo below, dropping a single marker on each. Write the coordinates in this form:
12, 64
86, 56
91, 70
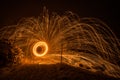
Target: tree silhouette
8, 53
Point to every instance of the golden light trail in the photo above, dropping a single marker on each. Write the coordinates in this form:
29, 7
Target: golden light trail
40, 49
85, 41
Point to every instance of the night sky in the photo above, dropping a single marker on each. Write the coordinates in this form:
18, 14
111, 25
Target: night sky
107, 10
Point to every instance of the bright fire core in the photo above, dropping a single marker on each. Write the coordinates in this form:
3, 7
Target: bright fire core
40, 48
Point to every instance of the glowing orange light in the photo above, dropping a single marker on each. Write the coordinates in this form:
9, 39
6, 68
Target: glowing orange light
40, 49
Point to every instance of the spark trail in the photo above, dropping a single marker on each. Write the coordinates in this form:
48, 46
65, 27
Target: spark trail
86, 41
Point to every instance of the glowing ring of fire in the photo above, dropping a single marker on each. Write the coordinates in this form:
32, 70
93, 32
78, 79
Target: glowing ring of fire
42, 45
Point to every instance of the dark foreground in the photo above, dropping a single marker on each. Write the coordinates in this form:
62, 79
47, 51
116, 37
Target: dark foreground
51, 72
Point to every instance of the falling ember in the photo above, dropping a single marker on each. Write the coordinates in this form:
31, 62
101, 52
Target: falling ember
85, 41
40, 49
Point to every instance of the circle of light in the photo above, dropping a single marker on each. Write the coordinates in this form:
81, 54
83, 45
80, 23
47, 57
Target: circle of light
40, 43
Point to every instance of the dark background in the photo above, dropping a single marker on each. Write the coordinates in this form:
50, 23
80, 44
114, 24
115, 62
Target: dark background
107, 10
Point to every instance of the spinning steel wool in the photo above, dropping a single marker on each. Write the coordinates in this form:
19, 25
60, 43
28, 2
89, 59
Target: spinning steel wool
86, 41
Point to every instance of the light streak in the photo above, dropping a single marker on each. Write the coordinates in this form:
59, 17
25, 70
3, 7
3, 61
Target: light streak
40, 48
